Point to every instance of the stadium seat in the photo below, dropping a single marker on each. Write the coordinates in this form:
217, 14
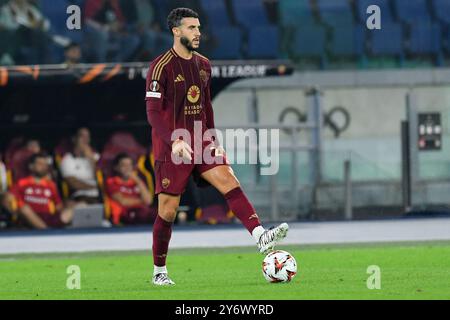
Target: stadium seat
13, 146
19, 164
425, 39
385, 8
64, 146
263, 43
119, 142
250, 13
294, 13
348, 41
228, 45
441, 9
309, 41
412, 11
122, 142
55, 11
216, 11
335, 12
388, 40
161, 12
446, 42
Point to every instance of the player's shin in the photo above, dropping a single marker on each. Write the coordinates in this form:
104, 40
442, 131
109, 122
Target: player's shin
244, 211
162, 232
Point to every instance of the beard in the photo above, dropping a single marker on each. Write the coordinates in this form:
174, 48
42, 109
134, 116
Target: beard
188, 44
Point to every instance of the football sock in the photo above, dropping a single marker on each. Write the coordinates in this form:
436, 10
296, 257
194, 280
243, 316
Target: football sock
243, 209
157, 270
162, 231
257, 232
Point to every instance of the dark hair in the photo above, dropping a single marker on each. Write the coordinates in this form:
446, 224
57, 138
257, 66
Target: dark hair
176, 15
120, 157
32, 159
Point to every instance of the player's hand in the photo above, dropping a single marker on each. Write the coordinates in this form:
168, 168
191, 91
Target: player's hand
219, 151
182, 149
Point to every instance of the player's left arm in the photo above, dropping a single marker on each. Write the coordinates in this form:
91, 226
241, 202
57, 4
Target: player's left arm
209, 112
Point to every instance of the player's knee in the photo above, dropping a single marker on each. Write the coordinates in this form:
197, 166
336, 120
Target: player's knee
167, 210
232, 181
229, 183
168, 213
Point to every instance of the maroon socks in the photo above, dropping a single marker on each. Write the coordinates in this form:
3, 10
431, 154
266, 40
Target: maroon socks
243, 209
238, 203
162, 231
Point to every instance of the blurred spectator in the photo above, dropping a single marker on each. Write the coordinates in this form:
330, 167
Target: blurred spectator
78, 169
38, 202
141, 17
3, 177
106, 31
26, 33
72, 54
19, 160
130, 198
8, 44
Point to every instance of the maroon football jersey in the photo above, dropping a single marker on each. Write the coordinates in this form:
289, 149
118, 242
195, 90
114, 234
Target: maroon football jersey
179, 90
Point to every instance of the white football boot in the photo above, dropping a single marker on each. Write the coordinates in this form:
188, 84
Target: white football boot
270, 238
162, 279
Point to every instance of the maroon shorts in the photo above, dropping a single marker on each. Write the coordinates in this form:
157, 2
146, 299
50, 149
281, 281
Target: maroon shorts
172, 178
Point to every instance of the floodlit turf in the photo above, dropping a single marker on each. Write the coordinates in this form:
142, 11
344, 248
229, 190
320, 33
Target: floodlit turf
408, 271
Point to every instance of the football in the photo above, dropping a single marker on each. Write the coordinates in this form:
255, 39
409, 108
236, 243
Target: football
279, 266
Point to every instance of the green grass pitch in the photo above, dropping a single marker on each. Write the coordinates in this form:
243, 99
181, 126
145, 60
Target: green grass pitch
408, 271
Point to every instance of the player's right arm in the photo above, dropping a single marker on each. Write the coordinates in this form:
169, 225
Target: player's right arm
156, 89
155, 95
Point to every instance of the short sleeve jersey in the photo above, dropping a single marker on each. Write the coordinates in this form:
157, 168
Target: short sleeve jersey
41, 195
126, 188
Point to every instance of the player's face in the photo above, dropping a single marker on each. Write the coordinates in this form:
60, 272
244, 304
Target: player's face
125, 168
39, 168
189, 33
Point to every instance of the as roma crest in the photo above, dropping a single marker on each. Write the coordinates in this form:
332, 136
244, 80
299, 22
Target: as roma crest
193, 94
165, 183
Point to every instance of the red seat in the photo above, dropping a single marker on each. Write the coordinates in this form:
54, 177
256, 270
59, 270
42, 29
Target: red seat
19, 164
120, 142
13, 146
64, 146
